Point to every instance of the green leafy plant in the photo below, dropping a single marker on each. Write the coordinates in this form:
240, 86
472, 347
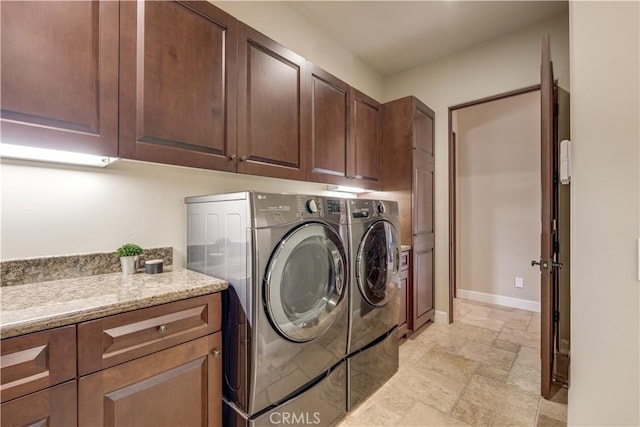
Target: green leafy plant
129, 249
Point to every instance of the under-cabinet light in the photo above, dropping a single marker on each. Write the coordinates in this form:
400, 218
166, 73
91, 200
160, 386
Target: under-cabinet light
347, 189
22, 152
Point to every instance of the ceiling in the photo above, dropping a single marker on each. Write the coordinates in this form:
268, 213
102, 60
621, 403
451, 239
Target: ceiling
393, 36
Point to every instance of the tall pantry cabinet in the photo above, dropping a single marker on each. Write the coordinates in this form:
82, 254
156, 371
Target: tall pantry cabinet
408, 177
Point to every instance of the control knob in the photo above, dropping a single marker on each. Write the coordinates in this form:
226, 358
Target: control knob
381, 208
312, 206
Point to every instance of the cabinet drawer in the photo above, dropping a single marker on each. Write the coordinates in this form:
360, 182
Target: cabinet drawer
52, 407
404, 260
36, 361
109, 341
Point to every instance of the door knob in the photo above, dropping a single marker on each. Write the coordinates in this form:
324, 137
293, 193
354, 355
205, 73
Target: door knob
217, 354
243, 158
232, 157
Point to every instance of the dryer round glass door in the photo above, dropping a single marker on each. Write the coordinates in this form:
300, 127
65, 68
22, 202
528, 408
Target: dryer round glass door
377, 262
305, 282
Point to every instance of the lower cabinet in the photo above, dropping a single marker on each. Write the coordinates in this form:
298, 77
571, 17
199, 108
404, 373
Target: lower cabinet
181, 385
156, 366
404, 321
52, 407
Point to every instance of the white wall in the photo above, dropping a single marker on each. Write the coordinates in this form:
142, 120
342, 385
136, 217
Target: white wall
285, 25
605, 306
501, 65
61, 210
498, 147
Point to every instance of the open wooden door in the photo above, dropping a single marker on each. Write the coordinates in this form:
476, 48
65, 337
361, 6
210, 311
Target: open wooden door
548, 262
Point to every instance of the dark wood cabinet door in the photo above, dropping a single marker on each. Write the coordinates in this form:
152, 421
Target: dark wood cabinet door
52, 407
405, 320
36, 361
59, 63
179, 386
423, 128
330, 112
273, 107
178, 84
423, 239
366, 130
422, 284
423, 197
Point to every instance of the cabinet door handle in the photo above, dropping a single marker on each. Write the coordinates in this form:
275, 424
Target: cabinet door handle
162, 329
217, 354
232, 157
243, 158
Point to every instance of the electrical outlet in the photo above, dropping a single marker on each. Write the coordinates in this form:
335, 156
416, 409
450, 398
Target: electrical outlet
519, 282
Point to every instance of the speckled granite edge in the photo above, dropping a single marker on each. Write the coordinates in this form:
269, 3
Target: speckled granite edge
18, 272
405, 248
104, 295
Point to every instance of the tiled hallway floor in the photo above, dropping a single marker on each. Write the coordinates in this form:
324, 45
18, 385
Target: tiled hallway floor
484, 369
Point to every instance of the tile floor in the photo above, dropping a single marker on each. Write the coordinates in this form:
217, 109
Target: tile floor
483, 370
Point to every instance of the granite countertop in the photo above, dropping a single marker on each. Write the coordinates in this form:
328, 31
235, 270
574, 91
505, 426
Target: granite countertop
405, 248
38, 306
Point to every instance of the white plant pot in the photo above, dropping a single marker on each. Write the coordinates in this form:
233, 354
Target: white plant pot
129, 264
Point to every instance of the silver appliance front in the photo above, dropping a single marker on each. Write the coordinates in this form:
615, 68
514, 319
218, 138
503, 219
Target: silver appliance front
375, 291
285, 316
322, 404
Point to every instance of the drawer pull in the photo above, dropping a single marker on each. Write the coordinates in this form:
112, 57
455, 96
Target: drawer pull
217, 354
162, 329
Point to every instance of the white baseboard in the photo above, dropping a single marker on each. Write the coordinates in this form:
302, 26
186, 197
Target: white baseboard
523, 304
441, 317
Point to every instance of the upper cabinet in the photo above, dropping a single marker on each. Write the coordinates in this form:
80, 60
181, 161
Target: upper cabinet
59, 63
273, 107
345, 134
366, 131
178, 83
330, 112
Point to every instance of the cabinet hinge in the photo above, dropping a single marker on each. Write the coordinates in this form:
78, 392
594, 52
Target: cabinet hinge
556, 316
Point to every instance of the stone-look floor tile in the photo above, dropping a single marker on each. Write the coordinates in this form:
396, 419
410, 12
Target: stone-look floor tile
428, 387
529, 357
412, 351
487, 354
518, 315
503, 399
373, 415
500, 314
506, 345
553, 409
425, 415
465, 330
393, 398
524, 377
493, 373
520, 337
486, 337
545, 421
483, 322
559, 394
518, 326
448, 342
472, 414
442, 362
500, 421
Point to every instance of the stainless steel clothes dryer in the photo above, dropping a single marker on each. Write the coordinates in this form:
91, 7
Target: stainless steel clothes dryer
285, 319
374, 300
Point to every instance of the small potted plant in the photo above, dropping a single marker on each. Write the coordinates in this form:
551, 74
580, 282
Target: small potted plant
129, 254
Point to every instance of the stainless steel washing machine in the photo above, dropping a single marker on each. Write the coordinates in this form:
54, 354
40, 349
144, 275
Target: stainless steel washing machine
374, 300
285, 318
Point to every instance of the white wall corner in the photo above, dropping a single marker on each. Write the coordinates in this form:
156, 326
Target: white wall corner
522, 304
441, 317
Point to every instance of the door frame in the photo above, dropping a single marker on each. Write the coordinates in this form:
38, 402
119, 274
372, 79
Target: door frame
453, 214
